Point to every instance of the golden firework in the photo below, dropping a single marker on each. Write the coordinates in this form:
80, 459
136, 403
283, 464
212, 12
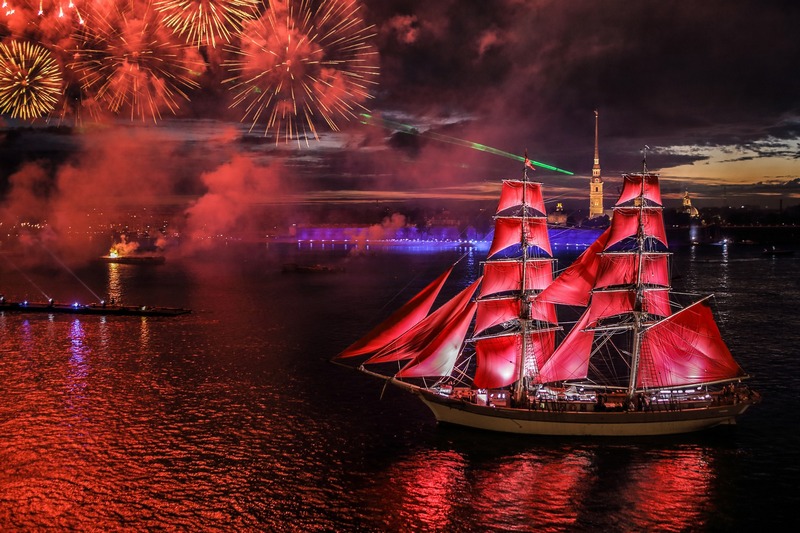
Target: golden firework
205, 22
30, 80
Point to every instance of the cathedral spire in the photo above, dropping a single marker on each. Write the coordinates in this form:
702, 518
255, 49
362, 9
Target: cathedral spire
596, 183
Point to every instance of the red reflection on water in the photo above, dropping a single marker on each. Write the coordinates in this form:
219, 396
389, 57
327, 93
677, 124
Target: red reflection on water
422, 489
669, 491
532, 489
624, 488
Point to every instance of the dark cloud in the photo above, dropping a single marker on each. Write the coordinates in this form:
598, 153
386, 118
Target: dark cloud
661, 69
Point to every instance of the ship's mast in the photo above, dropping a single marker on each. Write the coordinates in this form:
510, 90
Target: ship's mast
525, 310
639, 287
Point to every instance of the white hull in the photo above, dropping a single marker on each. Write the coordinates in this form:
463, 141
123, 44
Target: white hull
535, 422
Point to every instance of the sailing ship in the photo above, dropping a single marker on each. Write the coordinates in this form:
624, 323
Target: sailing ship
495, 357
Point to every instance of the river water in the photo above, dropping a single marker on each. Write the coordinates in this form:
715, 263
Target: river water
232, 418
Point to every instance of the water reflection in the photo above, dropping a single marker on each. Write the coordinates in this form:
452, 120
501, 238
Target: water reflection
78, 368
622, 488
144, 334
116, 289
724, 268
425, 488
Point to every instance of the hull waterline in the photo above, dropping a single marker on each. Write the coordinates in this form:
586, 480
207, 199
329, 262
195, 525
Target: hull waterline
576, 423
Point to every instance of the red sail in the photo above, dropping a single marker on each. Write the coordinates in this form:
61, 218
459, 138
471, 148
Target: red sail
685, 349
399, 322
626, 224
499, 358
632, 188
622, 268
508, 231
573, 285
656, 302
493, 312
439, 357
511, 195
413, 342
498, 361
505, 276
571, 359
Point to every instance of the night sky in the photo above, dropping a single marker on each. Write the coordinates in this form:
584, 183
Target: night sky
711, 87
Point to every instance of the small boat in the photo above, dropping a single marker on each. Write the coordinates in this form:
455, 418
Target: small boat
774, 251
310, 269
494, 357
101, 308
134, 259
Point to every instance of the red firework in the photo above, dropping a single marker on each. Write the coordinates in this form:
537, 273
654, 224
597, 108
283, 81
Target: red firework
301, 64
131, 65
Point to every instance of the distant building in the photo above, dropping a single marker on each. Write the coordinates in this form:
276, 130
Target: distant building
596, 183
688, 208
557, 217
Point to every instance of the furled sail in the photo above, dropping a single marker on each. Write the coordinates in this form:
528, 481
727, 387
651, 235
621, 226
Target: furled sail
685, 349
414, 341
400, 321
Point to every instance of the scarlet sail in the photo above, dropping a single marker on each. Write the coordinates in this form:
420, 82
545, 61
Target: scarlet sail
400, 321
413, 342
640, 186
521, 193
507, 232
627, 221
439, 355
574, 285
506, 276
686, 349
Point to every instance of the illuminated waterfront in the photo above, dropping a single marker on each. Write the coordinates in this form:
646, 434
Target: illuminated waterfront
233, 418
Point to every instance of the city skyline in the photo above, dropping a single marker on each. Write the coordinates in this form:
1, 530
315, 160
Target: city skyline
711, 95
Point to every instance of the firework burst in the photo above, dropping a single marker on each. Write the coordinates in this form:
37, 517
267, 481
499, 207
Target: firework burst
45, 19
205, 22
303, 63
130, 64
30, 80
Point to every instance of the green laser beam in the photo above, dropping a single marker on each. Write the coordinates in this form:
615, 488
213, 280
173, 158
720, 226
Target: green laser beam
405, 128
